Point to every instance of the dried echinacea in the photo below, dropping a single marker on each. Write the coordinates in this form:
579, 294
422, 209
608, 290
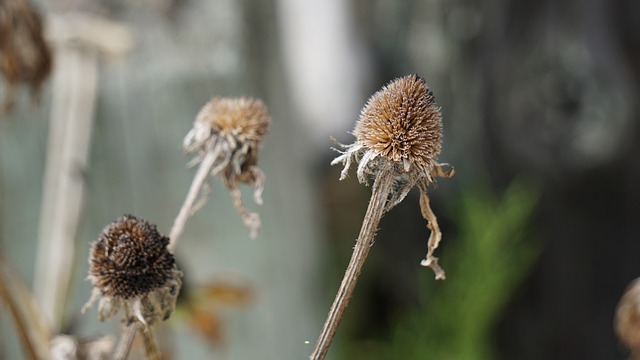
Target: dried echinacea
225, 140
25, 57
398, 139
132, 270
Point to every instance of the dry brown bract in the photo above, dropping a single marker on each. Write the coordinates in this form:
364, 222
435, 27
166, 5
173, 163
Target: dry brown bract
131, 268
24, 55
230, 131
399, 134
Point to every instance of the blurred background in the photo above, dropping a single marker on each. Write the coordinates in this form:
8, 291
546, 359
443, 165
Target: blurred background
540, 223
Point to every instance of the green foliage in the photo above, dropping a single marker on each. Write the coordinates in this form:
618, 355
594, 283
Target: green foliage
490, 257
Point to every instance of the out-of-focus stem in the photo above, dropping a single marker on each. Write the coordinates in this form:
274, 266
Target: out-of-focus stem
126, 339
29, 324
187, 208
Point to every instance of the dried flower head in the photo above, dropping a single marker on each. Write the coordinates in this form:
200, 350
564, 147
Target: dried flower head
231, 130
238, 121
627, 320
398, 138
131, 268
401, 123
399, 134
400, 127
24, 55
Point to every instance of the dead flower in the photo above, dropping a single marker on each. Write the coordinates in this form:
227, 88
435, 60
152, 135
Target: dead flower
131, 269
399, 134
398, 138
25, 57
229, 132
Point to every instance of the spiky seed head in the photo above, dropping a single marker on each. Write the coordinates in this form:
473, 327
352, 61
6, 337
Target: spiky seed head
245, 119
229, 131
130, 259
399, 137
402, 123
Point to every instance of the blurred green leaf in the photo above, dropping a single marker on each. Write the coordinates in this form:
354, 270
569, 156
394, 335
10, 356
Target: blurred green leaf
491, 256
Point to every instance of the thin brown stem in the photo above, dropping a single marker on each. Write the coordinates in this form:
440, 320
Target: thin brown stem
126, 339
187, 207
29, 323
379, 194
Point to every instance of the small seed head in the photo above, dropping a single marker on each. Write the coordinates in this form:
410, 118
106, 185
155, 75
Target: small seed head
245, 118
231, 130
130, 266
240, 121
401, 122
130, 258
400, 128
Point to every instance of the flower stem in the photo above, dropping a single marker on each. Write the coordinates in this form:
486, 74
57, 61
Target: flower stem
126, 339
187, 208
379, 194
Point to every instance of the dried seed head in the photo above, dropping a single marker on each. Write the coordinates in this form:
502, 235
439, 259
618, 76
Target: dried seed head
400, 128
244, 118
627, 321
399, 137
130, 266
130, 259
402, 123
25, 57
238, 121
231, 130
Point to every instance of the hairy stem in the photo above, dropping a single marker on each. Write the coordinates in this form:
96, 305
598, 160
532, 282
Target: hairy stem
379, 194
126, 339
187, 208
